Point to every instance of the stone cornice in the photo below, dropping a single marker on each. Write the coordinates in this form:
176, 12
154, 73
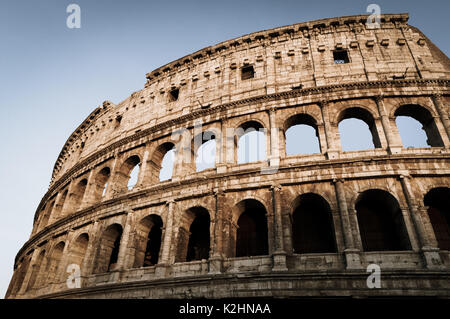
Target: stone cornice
79, 131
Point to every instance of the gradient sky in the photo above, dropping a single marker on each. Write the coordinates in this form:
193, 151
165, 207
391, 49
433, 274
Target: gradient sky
52, 77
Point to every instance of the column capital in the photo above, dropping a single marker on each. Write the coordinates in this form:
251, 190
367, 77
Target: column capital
436, 95
378, 98
404, 176
275, 187
338, 180
323, 103
170, 201
218, 192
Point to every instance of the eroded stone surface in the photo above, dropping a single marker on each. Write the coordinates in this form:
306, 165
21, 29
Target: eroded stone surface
393, 70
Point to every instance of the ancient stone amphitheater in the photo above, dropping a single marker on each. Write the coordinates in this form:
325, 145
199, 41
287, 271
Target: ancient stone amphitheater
286, 225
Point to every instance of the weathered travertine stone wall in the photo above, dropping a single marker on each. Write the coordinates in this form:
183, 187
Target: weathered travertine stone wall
272, 79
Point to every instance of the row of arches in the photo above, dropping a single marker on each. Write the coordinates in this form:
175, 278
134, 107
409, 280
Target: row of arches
357, 130
301, 134
380, 223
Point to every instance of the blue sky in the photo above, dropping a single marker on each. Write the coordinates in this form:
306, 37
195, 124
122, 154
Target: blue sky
52, 77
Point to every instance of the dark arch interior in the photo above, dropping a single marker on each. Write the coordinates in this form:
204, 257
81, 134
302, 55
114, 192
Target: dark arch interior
54, 262
115, 248
251, 124
422, 115
199, 238
381, 222
312, 226
100, 182
153, 242
108, 251
251, 237
438, 202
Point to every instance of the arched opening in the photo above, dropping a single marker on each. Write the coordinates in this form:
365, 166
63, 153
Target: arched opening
162, 162
204, 146
312, 225
413, 134
59, 205
76, 197
101, 182
21, 270
251, 143
108, 252
437, 201
131, 169
36, 268
126, 176
380, 221
194, 235
357, 130
78, 250
199, 238
54, 262
46, 217
132, 181
148, 241
301, 134
251, 234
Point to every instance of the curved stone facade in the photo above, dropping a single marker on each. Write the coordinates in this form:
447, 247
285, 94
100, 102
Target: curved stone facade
287, 225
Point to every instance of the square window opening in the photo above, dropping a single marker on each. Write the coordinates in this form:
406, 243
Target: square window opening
340, 57
173, 95
247, 72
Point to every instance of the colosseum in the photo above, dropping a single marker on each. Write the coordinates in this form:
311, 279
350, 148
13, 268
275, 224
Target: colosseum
284, 225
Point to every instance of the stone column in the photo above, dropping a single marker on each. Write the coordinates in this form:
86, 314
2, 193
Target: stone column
66, 209
270, 75
430, 254
331, 148
232, 236
215, 261
125, 258
437, 100
143, 169
352, 256
61, 274
26, 279
221, 151
354, 226
322, 138
168, 233
52, 218
279, 253
287, 225
91, 251
274, 157
110, 188
183, 155
393, 147
87, 198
